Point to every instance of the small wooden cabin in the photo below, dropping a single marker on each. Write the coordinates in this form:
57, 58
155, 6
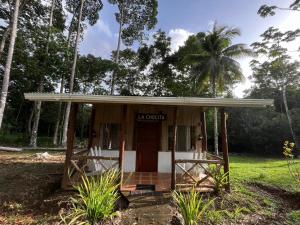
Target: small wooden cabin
159, 141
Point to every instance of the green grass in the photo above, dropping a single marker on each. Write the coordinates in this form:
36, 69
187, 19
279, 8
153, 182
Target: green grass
244, 200
262, 170
294, 218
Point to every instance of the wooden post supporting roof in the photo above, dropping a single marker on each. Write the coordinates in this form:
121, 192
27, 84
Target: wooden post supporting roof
225, 146
122, 142
173, 178
203, 131
91, 130
70, 145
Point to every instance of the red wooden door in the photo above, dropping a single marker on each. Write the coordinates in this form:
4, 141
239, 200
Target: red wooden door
148, 141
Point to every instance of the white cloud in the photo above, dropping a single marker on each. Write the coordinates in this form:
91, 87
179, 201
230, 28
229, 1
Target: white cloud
104, 28
179, 36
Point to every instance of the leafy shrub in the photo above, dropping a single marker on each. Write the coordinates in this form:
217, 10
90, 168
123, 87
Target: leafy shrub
220, 179
96, 199
288, 152
191, 206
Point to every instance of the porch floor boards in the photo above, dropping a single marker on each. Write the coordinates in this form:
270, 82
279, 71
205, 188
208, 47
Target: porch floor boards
162, 182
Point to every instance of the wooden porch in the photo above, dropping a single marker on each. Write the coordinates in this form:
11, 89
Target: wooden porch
161, 182
124, 107
180, 178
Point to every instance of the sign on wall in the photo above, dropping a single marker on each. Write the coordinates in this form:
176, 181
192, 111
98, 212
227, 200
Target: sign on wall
151, 117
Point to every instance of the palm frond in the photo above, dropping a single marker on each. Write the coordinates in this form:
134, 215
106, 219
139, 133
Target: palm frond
194, 58
238, 51
231, 32
232, 70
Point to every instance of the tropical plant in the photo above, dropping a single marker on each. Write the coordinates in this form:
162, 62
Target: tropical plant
293, 165
191, 206
217, 63
220, 179
96, 199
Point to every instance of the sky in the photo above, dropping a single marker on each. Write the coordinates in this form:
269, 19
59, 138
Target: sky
181, 18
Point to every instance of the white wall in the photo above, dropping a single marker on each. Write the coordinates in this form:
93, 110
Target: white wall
164, 160
129, 158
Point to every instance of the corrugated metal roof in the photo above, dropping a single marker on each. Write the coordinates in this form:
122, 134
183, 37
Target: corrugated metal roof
143, 100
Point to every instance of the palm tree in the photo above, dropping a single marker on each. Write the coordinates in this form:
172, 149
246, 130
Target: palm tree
217, 63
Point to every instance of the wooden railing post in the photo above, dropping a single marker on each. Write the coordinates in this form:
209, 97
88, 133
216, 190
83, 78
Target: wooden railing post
122, 142
173, 178
92, 121
225, 147
70, 144
203, 131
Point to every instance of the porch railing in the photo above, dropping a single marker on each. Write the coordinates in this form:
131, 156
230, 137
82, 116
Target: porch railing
92, 165
198, 173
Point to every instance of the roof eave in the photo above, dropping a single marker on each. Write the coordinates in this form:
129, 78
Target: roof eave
170, 101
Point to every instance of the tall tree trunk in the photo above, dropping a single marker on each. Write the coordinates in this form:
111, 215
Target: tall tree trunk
35, 127
216, 139
290, 122
112, 90
55, 137
60, 118
29, 124
6, 75
4, 38
68, 107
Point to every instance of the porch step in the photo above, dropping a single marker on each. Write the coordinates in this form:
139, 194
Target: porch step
148, 208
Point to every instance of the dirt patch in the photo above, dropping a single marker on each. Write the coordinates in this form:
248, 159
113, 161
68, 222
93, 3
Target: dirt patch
284, 203
290, 200
25, 182
148, 208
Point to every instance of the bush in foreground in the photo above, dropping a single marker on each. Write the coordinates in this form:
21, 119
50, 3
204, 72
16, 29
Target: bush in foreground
96, 199
191, 206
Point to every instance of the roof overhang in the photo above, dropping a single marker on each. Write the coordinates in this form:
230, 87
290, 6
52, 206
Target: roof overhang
142, 100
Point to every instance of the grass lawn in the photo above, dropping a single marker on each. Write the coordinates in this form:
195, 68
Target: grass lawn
263, 170
263, 192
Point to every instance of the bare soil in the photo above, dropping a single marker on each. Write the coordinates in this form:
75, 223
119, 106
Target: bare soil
26, 182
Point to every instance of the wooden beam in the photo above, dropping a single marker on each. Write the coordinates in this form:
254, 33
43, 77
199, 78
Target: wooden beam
122, 142
199, 161
74, 157
203, 131
175, 118
225, 146
70, 144
92, 122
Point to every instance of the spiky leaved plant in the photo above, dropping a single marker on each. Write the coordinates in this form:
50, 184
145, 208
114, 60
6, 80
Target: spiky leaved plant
191, 206
96, 199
